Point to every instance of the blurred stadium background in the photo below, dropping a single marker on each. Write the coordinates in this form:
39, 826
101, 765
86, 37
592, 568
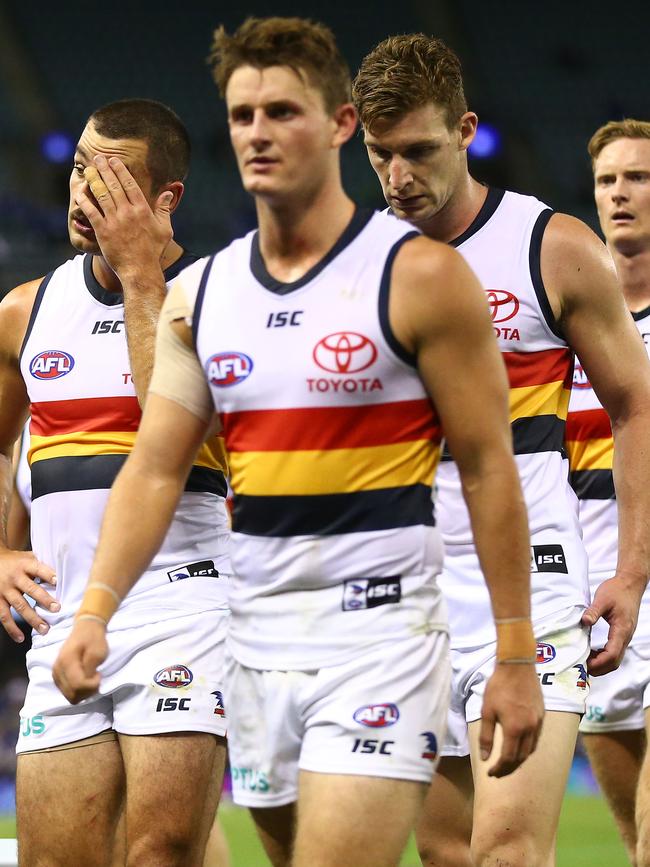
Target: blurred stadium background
542, 77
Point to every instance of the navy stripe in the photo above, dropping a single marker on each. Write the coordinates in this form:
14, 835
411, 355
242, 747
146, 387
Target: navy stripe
181, 264
593, 484
331, 514
535, 265
384, 297
200, 295
640, 314
539, 433
98, 472
357, 224
35, 308
489, 206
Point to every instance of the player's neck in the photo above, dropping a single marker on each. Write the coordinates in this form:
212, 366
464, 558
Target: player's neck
295, 234
108, 279
459, 212
634, 278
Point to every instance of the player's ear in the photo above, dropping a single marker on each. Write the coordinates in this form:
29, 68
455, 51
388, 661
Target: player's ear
345, 122
467, 127
176, 188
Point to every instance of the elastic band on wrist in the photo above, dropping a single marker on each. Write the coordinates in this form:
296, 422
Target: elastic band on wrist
99, 600
516, 643
95, 617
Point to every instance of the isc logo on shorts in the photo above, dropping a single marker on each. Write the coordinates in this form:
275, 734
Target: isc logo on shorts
203, 567
51, 364
371, 592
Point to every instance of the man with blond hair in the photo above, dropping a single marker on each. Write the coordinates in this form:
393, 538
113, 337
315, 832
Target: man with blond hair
617, 721
551, 289
330, 343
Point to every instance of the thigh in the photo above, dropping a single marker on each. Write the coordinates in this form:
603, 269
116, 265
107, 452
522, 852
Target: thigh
350, 821
177, 776
444, 830
523, 808
68, 803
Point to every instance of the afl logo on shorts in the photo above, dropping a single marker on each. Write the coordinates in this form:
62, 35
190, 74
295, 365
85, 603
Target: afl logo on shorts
51, 364
345, 352
377, 716
503, 305
228, 368
174, 676
545, 652
580, 377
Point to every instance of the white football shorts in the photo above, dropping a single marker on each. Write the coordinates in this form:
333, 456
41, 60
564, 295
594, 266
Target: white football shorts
381, 714
617, 700
158, 678
562, 651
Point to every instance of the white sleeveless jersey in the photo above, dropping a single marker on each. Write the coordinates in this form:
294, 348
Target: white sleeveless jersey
332, 444
84, 418
591, 452
503, 248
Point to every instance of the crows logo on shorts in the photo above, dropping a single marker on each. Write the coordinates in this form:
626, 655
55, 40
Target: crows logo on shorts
431, 749
583, 678
219, 709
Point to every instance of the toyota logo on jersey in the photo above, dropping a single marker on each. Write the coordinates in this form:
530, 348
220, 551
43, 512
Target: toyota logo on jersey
503, 305
345, 352
51, 364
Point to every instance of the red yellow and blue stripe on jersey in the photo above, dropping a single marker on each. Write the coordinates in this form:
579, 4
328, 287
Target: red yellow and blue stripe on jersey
79, 445
329, 470
540, 388
590, 447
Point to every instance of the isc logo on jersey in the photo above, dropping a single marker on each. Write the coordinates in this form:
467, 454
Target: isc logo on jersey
377, 715
51, 364
174, 676
228, 368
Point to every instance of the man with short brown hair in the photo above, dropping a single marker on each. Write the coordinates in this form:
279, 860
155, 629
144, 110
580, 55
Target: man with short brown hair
551, 289
617, 722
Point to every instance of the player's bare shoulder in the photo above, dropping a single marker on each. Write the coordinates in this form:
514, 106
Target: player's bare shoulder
15, 309
433, 289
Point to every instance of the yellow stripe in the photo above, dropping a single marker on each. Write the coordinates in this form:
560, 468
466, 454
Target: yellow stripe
212, 454
596, 454
335, 471
532, 400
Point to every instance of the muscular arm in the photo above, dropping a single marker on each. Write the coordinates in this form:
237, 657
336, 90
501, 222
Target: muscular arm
581, 283
17, 568
438, 312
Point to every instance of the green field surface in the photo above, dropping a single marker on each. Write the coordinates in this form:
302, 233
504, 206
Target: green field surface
587, 837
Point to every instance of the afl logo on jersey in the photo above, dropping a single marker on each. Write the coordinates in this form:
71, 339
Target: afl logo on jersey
51, 364
503, 305
228, 368
345, 352
580, 378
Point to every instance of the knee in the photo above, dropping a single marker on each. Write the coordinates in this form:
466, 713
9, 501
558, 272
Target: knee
164, 847
448, 854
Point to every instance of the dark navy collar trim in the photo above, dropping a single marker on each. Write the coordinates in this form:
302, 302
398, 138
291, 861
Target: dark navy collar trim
641, 314
359, 221
116, 299
489, 206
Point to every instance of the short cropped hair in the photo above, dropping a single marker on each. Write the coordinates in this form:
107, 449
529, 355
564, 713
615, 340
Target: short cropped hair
616, 129
403, 73
303, 45
168, 142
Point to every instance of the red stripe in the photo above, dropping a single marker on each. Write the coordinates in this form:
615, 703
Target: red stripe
55, 417
331, 427
588, 424
539, 368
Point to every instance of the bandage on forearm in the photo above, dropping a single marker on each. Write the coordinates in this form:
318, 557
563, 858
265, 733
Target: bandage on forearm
99, 602
515, 640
